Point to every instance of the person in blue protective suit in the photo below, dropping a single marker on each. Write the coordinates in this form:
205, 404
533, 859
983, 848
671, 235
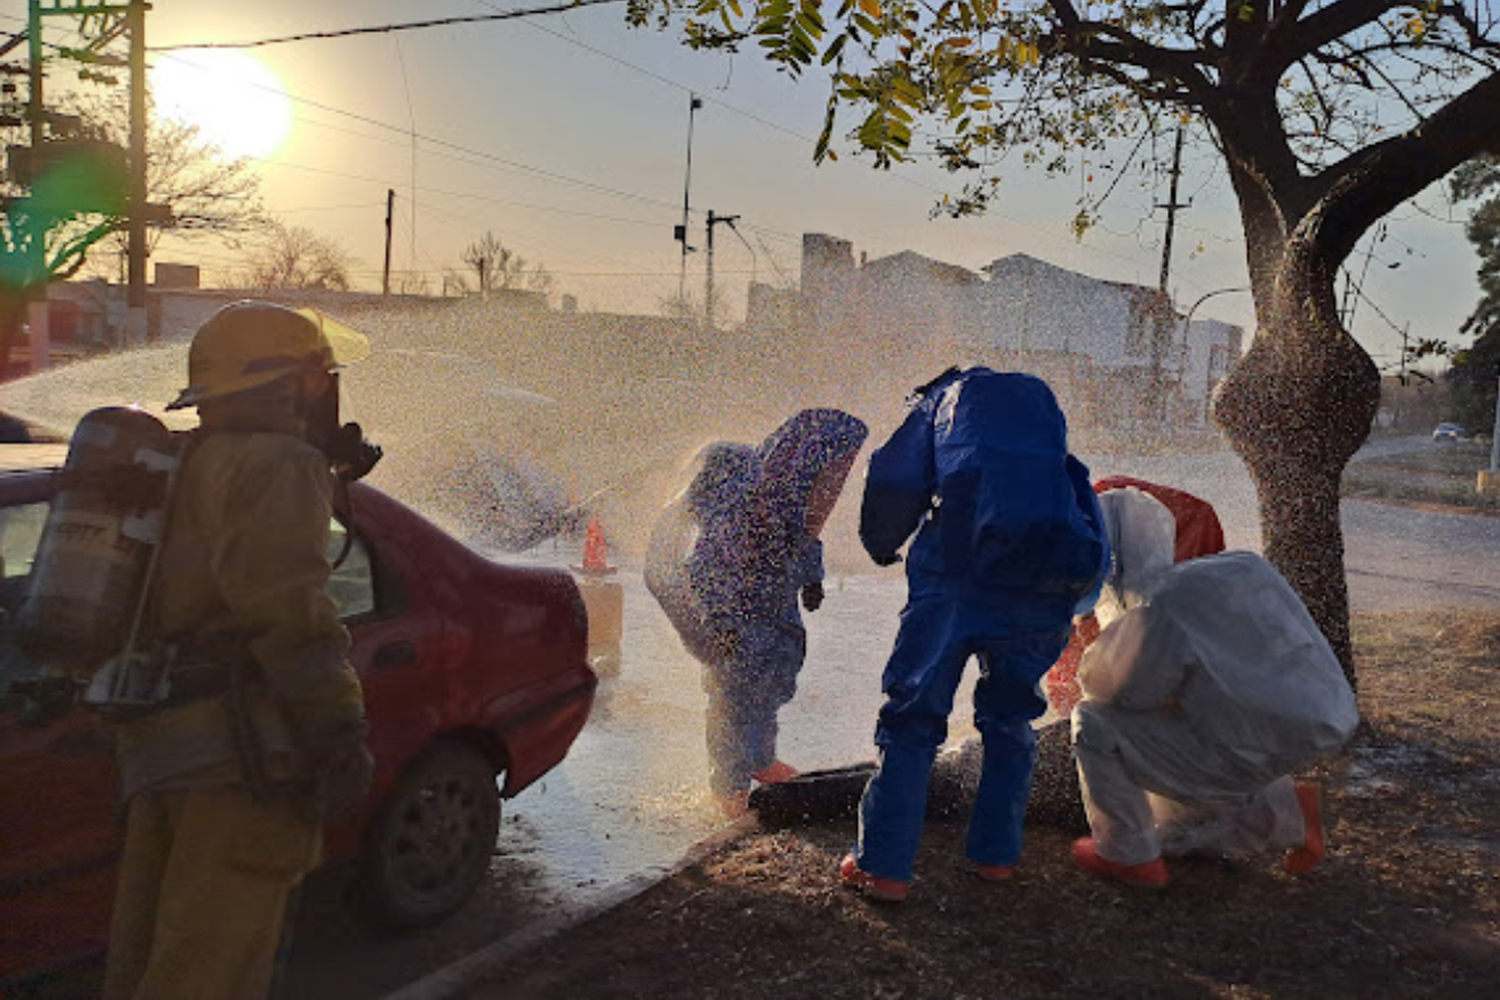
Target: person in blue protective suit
1208, 686
729, 561
1009, 545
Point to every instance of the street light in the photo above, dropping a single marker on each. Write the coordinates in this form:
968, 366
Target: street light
1187, 325
1188, 322
1204, 298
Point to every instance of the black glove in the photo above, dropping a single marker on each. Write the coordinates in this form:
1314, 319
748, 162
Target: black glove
812, 596
340, 783
338, 767
889, 560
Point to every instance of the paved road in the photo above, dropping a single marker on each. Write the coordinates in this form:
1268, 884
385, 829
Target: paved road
630, 798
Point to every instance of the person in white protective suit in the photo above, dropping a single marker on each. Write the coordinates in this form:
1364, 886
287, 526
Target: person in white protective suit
1208, 687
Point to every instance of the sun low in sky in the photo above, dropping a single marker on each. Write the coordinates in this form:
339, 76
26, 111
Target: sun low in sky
235, 100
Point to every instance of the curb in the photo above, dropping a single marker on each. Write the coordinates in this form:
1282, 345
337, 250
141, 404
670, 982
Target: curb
452, 979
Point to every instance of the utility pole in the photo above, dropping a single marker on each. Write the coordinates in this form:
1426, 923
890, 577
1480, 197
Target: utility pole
39, 336
1401, 379
108, 22
36, 107
1171, 206
1156, 407
1495, 431
390, 205
680, 231
135, 316
708, 286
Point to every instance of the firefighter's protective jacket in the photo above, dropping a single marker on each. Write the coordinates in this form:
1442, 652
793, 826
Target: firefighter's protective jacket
243, 570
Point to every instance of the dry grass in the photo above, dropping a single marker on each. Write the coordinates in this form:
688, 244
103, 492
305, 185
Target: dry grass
1444, 474
1406, 905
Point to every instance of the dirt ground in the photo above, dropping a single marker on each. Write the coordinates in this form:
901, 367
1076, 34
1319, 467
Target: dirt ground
1407, 903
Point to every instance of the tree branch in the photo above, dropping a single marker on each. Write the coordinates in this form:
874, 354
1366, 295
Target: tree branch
1327, 25
1095, 43
1367, 186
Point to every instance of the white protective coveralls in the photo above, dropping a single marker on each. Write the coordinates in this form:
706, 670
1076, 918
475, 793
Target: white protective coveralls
1208, 686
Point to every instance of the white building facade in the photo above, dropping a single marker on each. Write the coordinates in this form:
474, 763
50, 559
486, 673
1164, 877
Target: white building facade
1115, 353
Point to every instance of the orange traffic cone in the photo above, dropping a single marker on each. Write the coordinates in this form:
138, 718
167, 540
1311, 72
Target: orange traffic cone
595, 559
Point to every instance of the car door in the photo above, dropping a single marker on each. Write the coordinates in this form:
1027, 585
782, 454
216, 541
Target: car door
58, 826
396, 648
59, 813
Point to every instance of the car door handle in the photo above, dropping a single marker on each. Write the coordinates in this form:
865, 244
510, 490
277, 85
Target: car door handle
393, 655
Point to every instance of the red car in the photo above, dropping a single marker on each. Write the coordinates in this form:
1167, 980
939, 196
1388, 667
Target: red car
471, 670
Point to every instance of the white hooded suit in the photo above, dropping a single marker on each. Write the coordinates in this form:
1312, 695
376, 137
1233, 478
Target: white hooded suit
1209, 685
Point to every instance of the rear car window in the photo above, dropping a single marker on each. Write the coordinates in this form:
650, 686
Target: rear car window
352, 584
20, 531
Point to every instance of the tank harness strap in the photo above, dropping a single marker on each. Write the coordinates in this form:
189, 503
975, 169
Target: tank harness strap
127, 485
342, 506
248, 752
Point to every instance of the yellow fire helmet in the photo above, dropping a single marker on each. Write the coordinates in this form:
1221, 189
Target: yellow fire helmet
249, 343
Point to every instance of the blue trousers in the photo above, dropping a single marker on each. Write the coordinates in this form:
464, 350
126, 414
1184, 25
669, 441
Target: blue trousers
935, 640
745, 693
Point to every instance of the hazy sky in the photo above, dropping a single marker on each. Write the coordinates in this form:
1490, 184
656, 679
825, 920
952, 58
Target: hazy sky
566, 136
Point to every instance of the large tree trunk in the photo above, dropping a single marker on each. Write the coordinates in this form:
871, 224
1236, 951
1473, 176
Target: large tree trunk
1296, 407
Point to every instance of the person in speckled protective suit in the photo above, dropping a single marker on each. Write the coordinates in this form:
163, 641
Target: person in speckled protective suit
1009, 545
729, 560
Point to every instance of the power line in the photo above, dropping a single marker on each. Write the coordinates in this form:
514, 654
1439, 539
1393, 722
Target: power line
512, 15
467, 195
381, 29
408, 134
487, 157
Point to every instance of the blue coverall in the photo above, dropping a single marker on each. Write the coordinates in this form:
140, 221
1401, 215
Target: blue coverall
1009, 541
741, 618
747, 687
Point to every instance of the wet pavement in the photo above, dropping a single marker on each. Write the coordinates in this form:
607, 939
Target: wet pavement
631, 797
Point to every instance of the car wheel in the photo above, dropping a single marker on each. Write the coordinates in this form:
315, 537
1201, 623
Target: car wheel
430, 845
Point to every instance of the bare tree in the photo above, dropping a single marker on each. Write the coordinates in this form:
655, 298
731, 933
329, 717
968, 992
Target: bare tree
688, 308
297, 257
202, 192
496, 266
48, 230
411, 283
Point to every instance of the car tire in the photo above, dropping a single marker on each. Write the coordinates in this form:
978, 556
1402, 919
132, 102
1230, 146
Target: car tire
431, 843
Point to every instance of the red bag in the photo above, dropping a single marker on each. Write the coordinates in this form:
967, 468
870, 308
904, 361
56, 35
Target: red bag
1199, 533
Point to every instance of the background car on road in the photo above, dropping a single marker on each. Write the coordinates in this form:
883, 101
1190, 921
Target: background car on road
1449, 432
471, 669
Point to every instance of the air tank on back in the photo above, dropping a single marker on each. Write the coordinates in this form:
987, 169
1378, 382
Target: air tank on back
85, 587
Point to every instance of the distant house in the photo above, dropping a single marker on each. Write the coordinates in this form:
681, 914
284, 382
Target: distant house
1115, 352
90, 316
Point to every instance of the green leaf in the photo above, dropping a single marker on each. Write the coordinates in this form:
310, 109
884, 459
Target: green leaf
834, 49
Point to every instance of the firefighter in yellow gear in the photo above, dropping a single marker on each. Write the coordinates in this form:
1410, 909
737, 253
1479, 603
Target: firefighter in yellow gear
262, 737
